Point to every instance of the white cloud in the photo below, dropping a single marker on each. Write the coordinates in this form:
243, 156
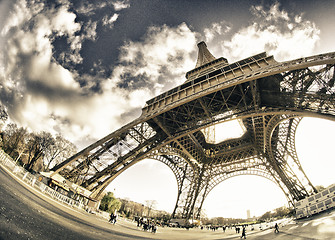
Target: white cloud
47, 96
164, 49
121, 4
63, 22
74, 56
161, 60
298, 41
90, 30
273, 14
22, 13
32, 50
38, 80
51, 74
109, 21
274, 31
89, 8
220, 28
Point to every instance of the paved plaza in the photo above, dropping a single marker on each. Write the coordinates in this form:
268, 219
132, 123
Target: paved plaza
27, 214
318, 227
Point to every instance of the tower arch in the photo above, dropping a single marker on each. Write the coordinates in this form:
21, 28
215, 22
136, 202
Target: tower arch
270, 98
234, 196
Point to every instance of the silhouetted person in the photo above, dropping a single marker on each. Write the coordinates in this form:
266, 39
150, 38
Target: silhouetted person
153, 228
112, 218
243, 233
276, 228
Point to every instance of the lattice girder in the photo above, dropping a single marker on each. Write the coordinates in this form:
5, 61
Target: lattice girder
285, 156
251, 164
258, 170
306, 90
269, 97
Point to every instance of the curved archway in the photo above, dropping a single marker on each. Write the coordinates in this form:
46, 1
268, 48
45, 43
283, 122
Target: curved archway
149, 179
314, 136
234, 196
315, 148
314, 145
253, 171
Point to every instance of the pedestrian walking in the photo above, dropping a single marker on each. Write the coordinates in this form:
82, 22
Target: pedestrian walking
276, 228
111, 218
153, 228
244, 233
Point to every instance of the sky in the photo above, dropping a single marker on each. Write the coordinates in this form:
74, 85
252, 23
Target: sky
86, 68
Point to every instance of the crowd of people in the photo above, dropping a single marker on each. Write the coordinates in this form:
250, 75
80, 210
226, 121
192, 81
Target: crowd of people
146, 225
151, 226
239, 229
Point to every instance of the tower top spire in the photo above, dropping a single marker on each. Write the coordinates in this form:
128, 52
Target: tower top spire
204, 55
205, 62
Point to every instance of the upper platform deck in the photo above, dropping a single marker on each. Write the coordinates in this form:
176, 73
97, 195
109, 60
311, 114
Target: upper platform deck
208, 75
217, 77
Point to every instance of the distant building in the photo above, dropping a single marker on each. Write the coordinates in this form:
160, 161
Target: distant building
248, 213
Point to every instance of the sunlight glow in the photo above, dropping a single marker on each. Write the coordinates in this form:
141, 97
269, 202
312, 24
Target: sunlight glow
224, 131
315, 148
234, 196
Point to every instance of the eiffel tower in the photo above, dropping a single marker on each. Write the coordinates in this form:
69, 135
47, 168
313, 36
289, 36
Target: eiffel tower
267, 97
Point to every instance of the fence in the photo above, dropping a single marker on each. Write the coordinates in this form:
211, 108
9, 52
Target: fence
32, 180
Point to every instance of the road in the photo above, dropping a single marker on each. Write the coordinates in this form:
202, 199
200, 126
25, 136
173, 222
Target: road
25, 214
28, 214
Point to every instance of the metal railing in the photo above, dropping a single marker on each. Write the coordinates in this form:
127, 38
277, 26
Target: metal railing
24, 175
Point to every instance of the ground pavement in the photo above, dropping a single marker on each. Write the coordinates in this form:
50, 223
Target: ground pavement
26, 213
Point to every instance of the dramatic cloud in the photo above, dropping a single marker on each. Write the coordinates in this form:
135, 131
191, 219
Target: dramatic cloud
146, 69
159, 62
44, 95
90, 7
119, 4
216, 29
275, 31
43, 89
33, 84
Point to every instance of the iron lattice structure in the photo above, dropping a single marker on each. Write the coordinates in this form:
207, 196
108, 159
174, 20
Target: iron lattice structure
269, 98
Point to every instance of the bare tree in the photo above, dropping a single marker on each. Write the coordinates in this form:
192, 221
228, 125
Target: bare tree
60, 150
3, 114
138, 209
14, 140
150, 204
3, 118
36, 146
31, 148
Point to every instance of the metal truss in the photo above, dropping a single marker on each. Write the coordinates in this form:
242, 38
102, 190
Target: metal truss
268, 97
